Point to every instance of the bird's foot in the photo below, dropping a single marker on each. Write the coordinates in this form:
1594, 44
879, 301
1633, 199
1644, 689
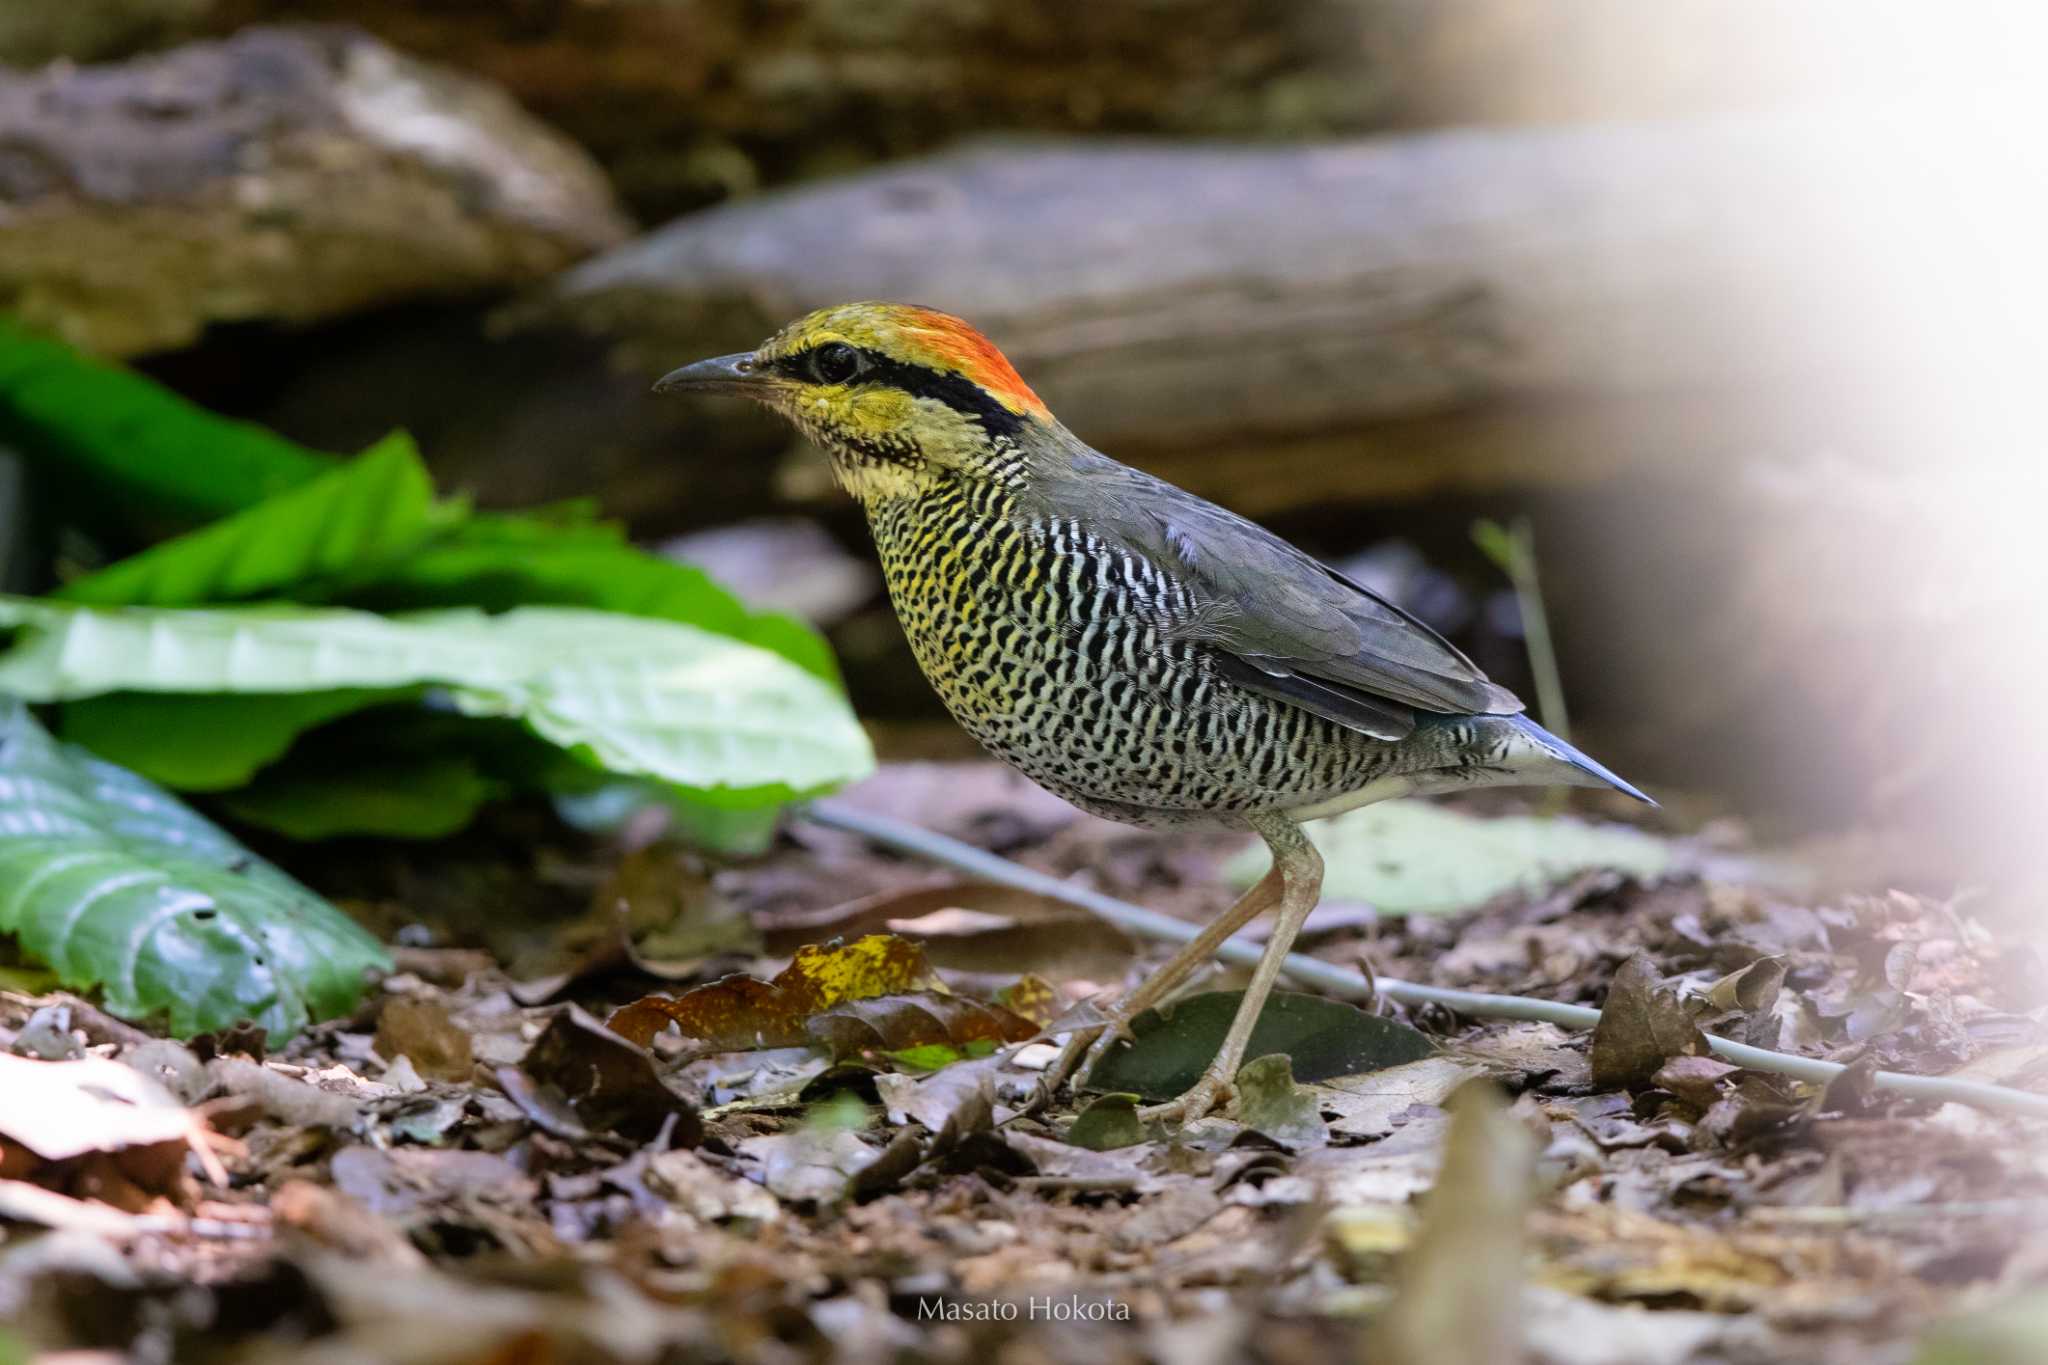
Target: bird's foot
1085, 1049
1197, 1102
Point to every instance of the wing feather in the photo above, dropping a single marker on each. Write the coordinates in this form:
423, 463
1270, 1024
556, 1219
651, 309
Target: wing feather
1282, 623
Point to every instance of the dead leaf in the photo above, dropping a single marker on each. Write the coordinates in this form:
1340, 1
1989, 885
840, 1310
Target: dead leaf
1460, 1284
1696, 1080
1032, 997
64, 1109
813, 1165
607, 1083
738, 1012
1569, 1330
401, 1181
296, 1100
707, 1193
932, 1029
1077, 1167
1168, 1216
657, 911
1376, 1103
973, 927
1752, 989
1527, 1053
107, 1127
1642, 1026
421, 1031
26, 1203
1757, 1105
951, 1104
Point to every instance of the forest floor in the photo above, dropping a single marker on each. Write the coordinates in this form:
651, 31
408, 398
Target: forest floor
473, 1168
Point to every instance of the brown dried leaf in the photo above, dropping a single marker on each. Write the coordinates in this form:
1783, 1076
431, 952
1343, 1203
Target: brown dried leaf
900, 1023
974, 927
1752, 989
1033, 997
738, 1012
810, 1165
421, 1029
1642, 1026
607, 1082
952, 1103
656, 912
1697, 1080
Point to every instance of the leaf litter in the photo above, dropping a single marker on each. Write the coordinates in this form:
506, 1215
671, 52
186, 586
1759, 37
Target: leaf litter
551, 1188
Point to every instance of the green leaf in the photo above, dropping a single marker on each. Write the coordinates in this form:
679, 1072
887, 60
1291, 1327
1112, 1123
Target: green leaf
141, 450
1269, 1102
2013, 1331
660, 699
206, 743
1415, 858
1109, 1122
424, 797
1168, 1050
367, 514
115, 884
503, 561
1500, 545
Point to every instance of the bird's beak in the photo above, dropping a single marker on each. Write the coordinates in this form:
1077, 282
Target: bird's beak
721, 374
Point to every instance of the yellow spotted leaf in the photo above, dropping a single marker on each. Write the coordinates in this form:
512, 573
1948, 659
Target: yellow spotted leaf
739, 1012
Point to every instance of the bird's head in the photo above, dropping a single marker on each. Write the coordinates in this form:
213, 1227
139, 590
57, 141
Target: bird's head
898, 396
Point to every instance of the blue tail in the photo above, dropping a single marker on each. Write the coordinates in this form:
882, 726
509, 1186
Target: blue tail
1567, 754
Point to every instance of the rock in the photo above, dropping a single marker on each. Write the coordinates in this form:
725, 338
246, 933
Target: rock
287, 174
688, 102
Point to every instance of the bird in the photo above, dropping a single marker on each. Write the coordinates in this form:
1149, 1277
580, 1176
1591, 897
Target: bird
1144, 653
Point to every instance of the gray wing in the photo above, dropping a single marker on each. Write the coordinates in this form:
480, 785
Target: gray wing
1281, 622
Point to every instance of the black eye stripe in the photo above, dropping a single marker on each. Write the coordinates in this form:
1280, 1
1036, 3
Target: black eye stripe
955, 390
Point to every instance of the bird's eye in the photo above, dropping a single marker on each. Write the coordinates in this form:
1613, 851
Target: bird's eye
834, 363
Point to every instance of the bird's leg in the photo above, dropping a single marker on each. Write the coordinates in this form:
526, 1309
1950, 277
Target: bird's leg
1300, 869
1092, 1043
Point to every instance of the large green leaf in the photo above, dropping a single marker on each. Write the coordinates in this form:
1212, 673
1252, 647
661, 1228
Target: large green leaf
145, 451
115, 884
634, 696
365, 515
1169, 1048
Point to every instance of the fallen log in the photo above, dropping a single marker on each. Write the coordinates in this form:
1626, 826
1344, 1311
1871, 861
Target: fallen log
1180, 298
286, 174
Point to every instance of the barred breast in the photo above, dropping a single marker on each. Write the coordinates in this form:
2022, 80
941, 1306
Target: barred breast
1058, 654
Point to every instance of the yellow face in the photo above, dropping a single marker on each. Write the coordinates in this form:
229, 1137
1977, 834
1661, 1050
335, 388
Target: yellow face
897, 396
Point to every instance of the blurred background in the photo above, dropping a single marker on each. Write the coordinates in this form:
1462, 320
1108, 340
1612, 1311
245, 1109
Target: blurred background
1739, 303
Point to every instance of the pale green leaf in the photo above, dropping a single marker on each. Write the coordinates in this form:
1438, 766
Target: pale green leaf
1415, 858
635, 696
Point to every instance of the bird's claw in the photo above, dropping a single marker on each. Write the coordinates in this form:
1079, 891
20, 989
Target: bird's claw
1196, 1103
1084, 1052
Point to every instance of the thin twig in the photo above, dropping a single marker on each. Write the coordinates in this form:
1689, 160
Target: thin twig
975, 862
